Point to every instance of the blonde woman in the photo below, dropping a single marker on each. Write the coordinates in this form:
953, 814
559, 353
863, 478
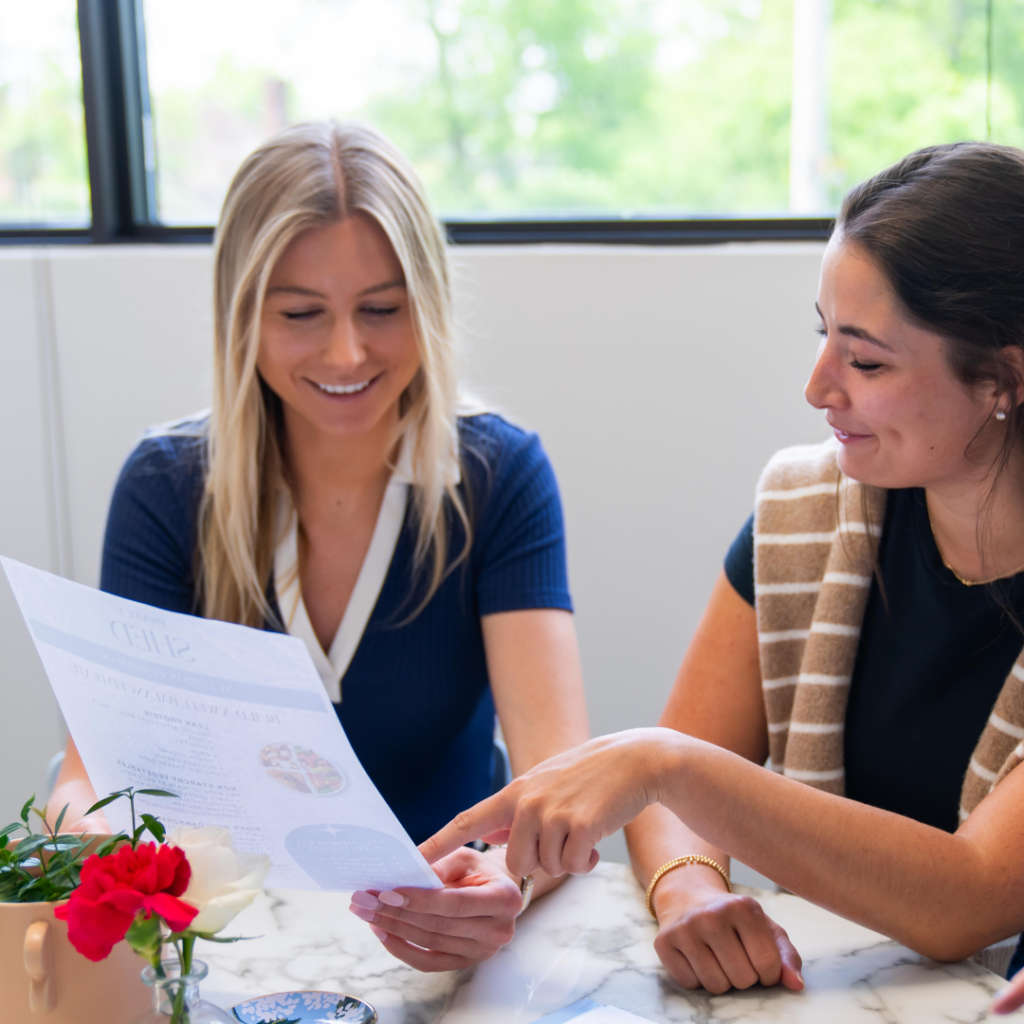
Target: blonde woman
335, 492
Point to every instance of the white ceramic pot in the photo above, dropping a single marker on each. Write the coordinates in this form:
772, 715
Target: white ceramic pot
44, 978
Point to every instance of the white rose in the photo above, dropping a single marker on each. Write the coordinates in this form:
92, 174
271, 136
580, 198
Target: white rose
223, 881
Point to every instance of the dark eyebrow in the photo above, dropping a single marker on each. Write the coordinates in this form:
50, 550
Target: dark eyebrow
397, 283
858, 332
294, 289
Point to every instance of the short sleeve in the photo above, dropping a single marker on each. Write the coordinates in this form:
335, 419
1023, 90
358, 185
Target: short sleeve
151, 527
521, 533
739, 562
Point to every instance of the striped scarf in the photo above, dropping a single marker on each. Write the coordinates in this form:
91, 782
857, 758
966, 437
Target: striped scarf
815, 537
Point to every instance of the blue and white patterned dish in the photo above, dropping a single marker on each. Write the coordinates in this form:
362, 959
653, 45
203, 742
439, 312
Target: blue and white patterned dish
305, 1008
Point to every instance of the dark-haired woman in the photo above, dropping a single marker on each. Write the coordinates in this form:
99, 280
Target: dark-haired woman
865, 637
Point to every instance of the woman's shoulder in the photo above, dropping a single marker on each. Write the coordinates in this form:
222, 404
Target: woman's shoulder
489, 440
803, 465
503, 466
171, 456
151, 526
492, 430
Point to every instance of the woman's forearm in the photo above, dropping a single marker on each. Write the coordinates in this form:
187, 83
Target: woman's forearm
74, 790
657, 836
943, 895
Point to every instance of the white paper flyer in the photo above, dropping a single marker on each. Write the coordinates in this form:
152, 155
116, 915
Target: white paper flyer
233, 720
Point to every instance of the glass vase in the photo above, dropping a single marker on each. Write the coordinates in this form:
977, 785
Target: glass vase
176, 996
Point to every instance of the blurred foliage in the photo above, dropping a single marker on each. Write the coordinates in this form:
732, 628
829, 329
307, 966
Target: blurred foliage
569, 106
202, 138
43, 169
687, 116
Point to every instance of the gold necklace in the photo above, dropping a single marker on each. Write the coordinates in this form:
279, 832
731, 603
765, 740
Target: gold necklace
968, 583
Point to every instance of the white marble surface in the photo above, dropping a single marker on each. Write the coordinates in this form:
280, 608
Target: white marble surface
592, 937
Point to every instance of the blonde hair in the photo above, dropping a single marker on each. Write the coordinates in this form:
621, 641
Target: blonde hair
307, 176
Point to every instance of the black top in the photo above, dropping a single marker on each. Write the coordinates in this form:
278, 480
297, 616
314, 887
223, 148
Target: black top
928, 671
416, 700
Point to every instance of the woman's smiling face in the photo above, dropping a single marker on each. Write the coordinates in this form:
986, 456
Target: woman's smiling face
337, 342
886, 387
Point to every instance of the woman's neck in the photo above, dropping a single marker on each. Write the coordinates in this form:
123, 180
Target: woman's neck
979, 524
331, 472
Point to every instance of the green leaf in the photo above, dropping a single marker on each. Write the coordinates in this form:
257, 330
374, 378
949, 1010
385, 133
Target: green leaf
7, 830
28, 806
59, 848
70, 838
155, 827
60, 818
32, 885
155, 792
103, 803
145, 936
108, 847
29, 846
210, 937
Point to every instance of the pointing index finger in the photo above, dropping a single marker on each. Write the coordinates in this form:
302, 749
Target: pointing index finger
491, 815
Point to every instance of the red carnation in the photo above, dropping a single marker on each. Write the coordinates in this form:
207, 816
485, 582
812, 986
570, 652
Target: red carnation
115, 889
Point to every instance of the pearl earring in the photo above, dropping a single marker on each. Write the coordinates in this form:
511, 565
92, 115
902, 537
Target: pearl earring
1000, 415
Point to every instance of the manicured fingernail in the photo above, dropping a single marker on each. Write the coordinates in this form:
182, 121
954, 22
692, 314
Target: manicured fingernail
364, 899
362, 913
380, 933
392, 899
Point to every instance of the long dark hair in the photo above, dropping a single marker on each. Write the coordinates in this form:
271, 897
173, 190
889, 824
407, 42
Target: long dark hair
945, 225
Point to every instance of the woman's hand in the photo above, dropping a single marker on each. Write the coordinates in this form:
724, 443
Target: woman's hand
73, 790
718, 940
553, 816
1010, 997
467, 921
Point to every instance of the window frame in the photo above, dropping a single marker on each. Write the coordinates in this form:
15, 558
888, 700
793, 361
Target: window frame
122, 170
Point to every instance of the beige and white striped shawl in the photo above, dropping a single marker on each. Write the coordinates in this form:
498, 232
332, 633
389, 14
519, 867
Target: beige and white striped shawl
813, 559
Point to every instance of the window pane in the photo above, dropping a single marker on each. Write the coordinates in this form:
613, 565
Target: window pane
535, 107
43, 170
906, 74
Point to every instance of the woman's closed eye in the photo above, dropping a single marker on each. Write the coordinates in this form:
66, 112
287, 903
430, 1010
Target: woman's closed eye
864, 367
822, 331
380, 312
301, 314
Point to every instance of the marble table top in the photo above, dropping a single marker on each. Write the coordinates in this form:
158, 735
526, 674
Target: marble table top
592, 937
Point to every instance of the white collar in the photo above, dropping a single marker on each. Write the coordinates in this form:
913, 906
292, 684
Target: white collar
333, 664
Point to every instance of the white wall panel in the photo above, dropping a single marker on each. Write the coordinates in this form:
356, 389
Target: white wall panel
32, 727
134, 335
660, 380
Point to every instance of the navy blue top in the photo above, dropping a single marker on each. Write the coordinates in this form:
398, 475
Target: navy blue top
928, 670
417, 704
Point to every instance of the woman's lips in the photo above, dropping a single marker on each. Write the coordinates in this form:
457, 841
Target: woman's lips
846, 437
344, 392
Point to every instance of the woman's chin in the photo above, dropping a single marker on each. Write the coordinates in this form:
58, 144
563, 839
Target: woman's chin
864, 467
347, 422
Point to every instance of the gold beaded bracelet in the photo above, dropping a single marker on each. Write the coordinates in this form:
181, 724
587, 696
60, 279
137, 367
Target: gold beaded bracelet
692, 858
